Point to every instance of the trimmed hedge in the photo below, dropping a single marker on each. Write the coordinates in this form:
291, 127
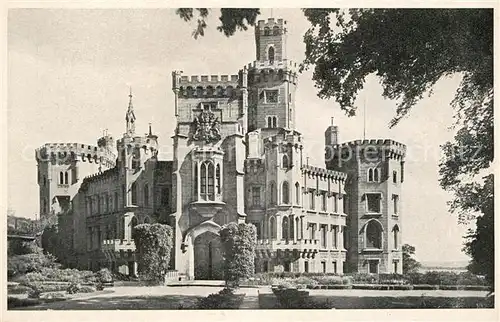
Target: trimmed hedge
225, 299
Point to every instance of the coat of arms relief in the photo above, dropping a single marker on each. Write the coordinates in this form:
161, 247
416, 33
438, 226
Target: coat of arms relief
206, 127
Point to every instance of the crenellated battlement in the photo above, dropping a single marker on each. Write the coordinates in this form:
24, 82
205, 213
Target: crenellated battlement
206, 79
390, 147
75, 151
102, 177
323, 173
284, 64
271, 26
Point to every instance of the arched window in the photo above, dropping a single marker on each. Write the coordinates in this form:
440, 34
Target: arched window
297, 229
133, 223
146, 195
285, 191
207, 181
133, 190
219, 91
272, 228
147, 220
270, 55
229, 91
273, 193
66, 177
284, 162
61, 177
276, 30
267, 31
275, 121
370, 175
210, 91
199, 91
189, 91
373, 235
375, 175
395, 232
284, 228
297, 193
217, 179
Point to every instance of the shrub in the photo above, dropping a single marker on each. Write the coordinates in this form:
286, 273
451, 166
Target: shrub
73, 288
53, 296
35, 262
332, 280
104, 276
34, 293
18, 289
47, 287
154, 244
87, 289
99, 286
225, 299
238, 244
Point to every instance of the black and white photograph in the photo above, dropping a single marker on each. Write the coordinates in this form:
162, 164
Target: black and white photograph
250, 159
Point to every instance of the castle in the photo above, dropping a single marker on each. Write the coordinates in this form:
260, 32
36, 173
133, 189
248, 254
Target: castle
237, 158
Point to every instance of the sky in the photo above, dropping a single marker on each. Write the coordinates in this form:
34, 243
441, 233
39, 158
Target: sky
69, 73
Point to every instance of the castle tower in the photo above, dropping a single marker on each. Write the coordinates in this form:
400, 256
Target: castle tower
272, 80
209, 152
374, 183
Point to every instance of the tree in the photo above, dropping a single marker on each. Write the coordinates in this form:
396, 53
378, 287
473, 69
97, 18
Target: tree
238, 244
410, 264
153, 244
409, 50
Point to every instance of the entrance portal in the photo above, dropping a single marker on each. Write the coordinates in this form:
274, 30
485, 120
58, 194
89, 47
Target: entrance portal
208, 257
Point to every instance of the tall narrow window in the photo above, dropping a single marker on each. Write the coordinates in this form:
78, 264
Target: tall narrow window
323, 236
203, 179
395, 232
370, 175
335, 203
146, 195
272, 228
285, 193
211, 191
124, 195
133, 223
335, 235
373, 235
61, 178
284, 228
323, 201
256, 196
134, 193
270, 55
284, 162
297, 193
312, 206
66, 177
195, 175
395, 200
217, 177
275, 121
376, 175
395, 176
116, 201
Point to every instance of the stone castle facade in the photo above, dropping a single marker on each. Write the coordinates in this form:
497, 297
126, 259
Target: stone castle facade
238, 157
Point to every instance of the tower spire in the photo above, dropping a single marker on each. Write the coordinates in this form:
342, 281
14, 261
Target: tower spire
130, 116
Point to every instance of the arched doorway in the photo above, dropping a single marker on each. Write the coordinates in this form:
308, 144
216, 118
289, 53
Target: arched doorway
208, 257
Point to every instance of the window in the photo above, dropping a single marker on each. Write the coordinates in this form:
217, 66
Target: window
285, 191
311, 200
271, 96
270, 55
217, 179
284, 228
133, 223
334, 264
395, 176
373, 266
395, 232
395, 267
335, 235
284, 161
199, 91
66, 177
373, 203
124, 194
395, 201
44, 181
323, 235
267, 31
61, 178
297, 193
210, 91
373, 175
256, 196
323, 265
306, 267
207, 181
335, 203
195, 176
107, 201
323, 201
287, 266
373, 235
134, 193
146, 195
276, 30
272, 228
272, 121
